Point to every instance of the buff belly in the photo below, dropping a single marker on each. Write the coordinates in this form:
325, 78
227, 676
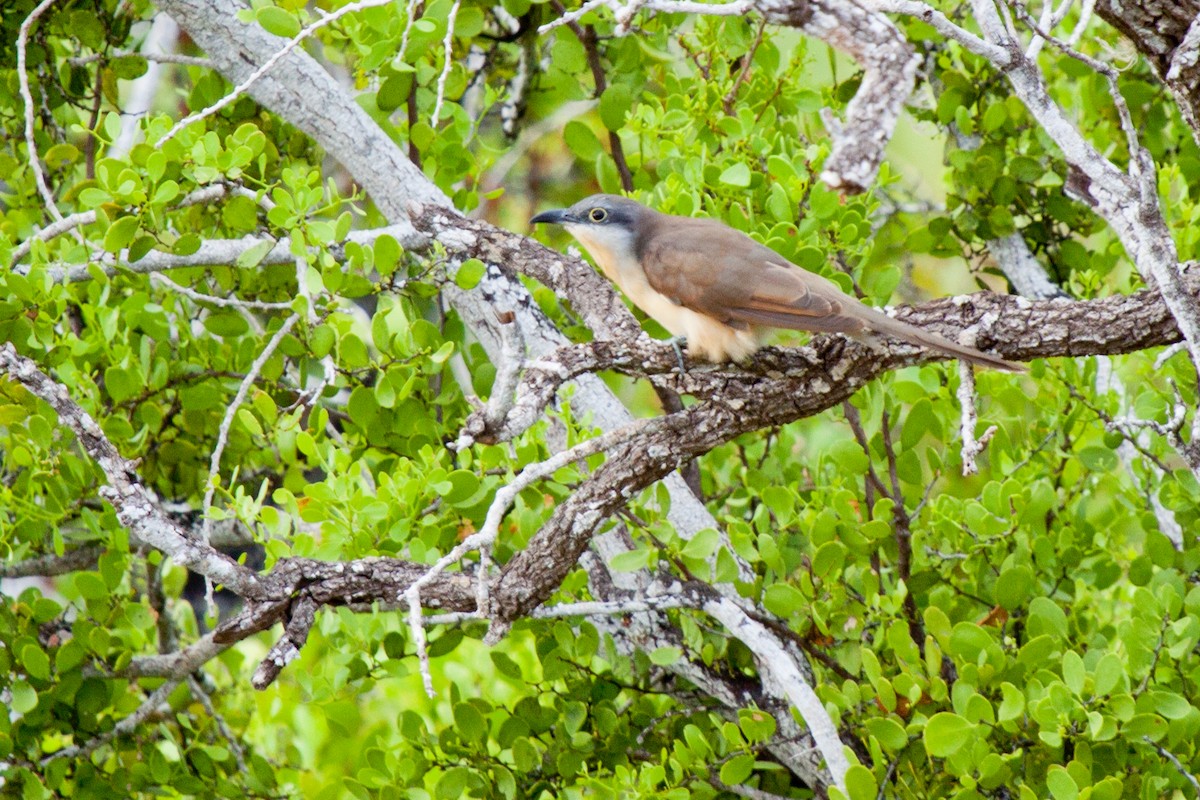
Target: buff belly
706, 337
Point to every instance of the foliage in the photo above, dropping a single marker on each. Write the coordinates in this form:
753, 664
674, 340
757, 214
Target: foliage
1029, 631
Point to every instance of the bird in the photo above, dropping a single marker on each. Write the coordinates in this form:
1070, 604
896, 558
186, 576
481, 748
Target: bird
717, 289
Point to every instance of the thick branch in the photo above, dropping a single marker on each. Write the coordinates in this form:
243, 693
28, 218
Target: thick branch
136, 508
71, 561
1167, 33
889, 70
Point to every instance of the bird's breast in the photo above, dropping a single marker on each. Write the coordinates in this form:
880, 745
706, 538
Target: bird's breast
706, 337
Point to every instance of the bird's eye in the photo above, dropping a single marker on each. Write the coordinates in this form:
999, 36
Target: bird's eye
598, 215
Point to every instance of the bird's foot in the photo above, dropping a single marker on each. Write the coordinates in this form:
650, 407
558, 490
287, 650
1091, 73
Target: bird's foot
678, 343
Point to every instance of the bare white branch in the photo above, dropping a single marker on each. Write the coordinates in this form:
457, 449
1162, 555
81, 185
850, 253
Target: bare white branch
136, 507
214, 468
447, 63
154, 703
410, 16
971, 447
503, 500
1128, 201
266, 66
594, 608
1085, 18
206, 194
1026, 274
35, 161
778, 668
221, 302
155, 57
226, 252
943, 25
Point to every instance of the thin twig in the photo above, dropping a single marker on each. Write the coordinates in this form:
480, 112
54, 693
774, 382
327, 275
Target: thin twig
972, 447
1169, 756
214, 468
447, 62
222, 302
162, 58
266, 66
491, 526
747, 62
151, 705
35, 162
199, 692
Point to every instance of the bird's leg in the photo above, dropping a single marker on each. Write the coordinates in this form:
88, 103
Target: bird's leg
678, 343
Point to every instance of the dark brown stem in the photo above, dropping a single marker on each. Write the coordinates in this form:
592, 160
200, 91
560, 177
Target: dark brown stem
589, 40
89, 142
410, 104
902, 526
747, 61
691, 470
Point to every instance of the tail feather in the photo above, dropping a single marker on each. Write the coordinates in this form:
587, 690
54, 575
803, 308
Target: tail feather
881, 323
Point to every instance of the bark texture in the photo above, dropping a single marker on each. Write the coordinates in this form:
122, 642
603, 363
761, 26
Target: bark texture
1167, 34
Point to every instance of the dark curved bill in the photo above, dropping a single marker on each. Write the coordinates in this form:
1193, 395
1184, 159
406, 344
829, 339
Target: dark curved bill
557, 217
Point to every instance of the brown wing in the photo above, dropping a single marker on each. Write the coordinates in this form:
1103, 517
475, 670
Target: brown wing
722, 273
717, 271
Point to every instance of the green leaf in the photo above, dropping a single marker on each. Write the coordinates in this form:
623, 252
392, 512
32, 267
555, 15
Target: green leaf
24, 697
120, 234
861, 783
632, 560
615, 105
1151, 725
253, 255
702, 545
665, 656
1074, 673
737, 175
463, 486
248, 421
470, 723
91, 586
1014, 586
783, 600
582, 141
1098, 459
452, 784
36, 662
166, 191
945, 734
140, 247
1060, 783
505, 665
277, 21
887, 732
1013, 703
757, 726
129, 67
120, 383
387, 254
737, 770
226, 324
470, 274
1108, 674
1045, 617
1171, 705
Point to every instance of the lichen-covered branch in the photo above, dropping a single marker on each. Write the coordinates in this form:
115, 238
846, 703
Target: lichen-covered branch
136, 507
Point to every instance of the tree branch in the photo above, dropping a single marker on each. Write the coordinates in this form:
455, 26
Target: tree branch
136, 508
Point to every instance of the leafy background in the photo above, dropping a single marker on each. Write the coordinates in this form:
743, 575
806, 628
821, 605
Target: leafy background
1040, 639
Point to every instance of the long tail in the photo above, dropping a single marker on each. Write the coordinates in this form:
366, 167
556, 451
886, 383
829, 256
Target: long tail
881, 323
